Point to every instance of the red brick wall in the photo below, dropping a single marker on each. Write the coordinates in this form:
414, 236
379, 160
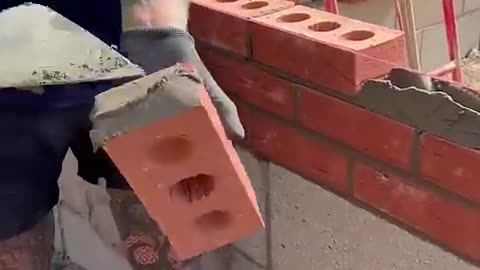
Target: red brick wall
293, 84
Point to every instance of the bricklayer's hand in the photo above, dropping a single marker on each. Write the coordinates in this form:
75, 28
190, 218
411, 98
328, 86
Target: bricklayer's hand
165, 47
151, 14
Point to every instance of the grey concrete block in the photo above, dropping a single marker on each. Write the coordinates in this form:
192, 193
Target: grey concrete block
471, 5
430, 12
433, 41
379, 12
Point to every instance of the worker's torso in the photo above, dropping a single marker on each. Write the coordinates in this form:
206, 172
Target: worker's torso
101, 18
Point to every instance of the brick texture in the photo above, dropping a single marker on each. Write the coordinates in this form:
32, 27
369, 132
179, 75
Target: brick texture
443, 220
451, 166
182, 162
365, 131
325, 58
292, 149
283, 67
225, 23
251, 84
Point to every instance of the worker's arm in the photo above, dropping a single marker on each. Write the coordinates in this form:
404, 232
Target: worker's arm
156, 38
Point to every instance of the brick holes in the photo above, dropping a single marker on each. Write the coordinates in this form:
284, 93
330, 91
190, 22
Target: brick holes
193, 188
358, 35
255, 5
294, 17
170, 149
324, 26
213, 221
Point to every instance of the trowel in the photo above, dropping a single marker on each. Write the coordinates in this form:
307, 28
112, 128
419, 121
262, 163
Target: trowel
38, 47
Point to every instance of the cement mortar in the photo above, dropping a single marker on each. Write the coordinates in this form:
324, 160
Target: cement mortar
144, 101
434, 106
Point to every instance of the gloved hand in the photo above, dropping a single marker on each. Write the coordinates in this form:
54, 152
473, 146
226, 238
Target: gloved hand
156, 38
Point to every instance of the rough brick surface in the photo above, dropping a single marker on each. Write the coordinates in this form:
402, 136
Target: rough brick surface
365, 131
251, 84
291, 148
443, 220
452, 167
183, 168
340, 59
225, 23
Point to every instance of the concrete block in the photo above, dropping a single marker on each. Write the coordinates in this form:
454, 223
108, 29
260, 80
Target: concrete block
471, 5
469, 30
313, 229
434, 50
379, 12
430, 12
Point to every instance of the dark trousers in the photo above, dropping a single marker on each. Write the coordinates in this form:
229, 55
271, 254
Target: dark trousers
33, 145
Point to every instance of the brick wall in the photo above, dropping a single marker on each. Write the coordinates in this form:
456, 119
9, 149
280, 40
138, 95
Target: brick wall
430, 26
296, 75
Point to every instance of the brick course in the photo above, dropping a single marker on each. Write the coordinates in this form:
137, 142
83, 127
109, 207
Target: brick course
296, 96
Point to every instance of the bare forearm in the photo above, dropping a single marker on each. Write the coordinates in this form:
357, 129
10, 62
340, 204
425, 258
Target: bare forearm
142, 14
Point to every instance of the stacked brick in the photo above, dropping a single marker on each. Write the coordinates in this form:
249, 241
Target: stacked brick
295, 72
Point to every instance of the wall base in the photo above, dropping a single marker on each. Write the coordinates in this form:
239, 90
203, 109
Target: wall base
308, 228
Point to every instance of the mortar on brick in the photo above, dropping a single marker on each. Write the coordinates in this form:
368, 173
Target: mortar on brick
431, 105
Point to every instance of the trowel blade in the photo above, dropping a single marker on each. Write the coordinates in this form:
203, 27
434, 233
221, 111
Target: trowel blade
38, 46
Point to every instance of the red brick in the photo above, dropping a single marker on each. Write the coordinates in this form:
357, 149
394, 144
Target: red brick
185, 170
225, 24
367, 132
307, 50
251, 84
443, 220
451, 166
292, 149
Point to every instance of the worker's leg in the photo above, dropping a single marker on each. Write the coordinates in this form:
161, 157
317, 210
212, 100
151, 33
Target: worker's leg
33, 145
31, 249
146, 246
